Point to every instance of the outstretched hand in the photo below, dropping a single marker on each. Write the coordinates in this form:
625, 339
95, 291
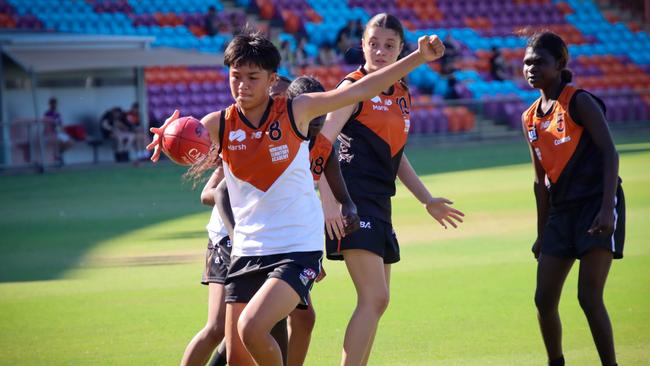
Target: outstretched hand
158, 132
440, 210
431, 48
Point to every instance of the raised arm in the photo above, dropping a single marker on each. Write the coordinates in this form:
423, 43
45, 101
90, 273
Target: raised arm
308, 106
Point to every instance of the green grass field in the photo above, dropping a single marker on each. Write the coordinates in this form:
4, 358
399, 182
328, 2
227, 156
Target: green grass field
102, 267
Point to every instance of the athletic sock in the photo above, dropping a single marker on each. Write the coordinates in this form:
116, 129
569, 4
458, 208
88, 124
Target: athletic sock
556, 362
219, 358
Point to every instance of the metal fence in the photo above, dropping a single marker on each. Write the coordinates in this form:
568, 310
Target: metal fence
33, 144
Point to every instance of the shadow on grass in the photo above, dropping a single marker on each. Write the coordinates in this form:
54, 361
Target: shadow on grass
49, 222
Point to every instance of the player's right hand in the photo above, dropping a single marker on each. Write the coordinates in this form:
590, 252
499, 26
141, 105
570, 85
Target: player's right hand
158, 132
350, 217
536, 248
334, 225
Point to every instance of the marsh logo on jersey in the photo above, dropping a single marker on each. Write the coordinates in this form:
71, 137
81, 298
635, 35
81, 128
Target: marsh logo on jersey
307, 275
377, 106
237, 135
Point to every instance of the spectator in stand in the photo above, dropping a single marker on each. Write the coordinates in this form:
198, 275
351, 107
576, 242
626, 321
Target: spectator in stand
115, 126
498, 67
452, 53
356, 31
453, 88
140, 138
327, 56
64, 142
345, 37
211, 21
302, 58
286, 55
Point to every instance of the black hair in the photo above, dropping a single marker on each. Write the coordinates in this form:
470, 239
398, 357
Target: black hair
252, 48
304, 84
284, 78
387, 21
554, 44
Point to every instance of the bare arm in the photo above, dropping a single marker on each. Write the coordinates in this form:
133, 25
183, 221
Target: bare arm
340, 192
542, 197
207, 194
222, 200
593, 120
311, 105
438, 207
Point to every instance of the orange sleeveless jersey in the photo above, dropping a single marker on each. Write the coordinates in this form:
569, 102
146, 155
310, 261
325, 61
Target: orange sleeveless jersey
555, 136
269, 182
319, 152
372, 142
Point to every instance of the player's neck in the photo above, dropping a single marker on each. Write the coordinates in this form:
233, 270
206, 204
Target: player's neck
552, 91
255, 114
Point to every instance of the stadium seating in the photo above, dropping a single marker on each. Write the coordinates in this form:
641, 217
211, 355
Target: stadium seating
610, 58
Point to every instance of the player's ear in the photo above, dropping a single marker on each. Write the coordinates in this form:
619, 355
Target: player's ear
273, 77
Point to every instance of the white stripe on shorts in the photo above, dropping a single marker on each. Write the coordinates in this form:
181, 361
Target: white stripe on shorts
615, 221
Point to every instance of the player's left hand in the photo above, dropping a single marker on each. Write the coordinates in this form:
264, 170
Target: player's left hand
431, 47
158, 132
603, 224
439, 209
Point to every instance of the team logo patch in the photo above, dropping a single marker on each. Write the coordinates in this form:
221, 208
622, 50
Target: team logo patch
532, 133
307, 275
237, 135
560, 122
365, 224
256, 135
279, 153
544, 125
407, 125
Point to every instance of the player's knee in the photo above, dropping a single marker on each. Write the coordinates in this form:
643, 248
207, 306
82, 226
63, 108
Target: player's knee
303, 319
377, 302
544, 302
249, 330
590, 301
214, 332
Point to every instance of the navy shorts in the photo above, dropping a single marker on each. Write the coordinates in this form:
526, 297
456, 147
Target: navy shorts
565, 234
374, 235
217, 261
247, 274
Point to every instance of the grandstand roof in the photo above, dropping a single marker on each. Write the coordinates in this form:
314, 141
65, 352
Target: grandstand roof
64, 52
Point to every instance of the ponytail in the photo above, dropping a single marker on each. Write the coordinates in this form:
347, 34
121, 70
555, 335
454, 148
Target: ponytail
566, 76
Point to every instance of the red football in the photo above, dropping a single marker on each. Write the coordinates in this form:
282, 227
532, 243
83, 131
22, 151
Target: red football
185, 140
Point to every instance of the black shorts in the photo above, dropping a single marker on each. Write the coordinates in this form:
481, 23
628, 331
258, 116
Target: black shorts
248, 274
217, 261
565, 233
374, 235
